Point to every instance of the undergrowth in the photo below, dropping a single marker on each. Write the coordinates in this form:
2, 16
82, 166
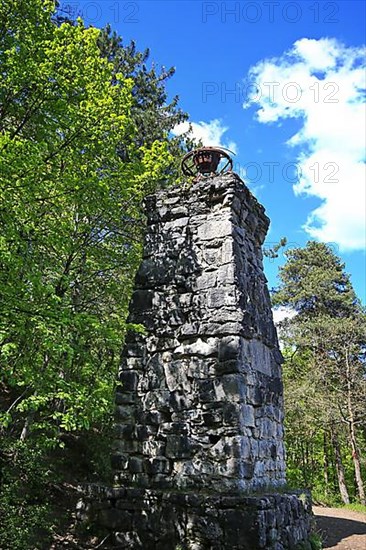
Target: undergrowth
38, 490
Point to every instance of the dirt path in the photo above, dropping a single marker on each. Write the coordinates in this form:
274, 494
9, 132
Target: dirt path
341, 529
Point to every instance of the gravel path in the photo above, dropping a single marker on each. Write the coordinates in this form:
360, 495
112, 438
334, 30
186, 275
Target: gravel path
341, 529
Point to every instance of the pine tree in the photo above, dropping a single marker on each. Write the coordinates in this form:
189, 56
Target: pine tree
329, 331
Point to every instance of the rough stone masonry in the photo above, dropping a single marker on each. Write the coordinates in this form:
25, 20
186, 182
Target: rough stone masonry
199, 452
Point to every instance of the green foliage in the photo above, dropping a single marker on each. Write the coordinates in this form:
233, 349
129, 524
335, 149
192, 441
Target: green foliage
324, 374
272, 252
71, 222
313, 282
38, 497
25, 517
316, 542
82, 142
153, 115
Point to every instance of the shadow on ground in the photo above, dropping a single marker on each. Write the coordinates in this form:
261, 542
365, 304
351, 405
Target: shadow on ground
335, 529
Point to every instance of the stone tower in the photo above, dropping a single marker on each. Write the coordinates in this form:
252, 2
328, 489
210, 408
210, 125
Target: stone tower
201, 399
199, 415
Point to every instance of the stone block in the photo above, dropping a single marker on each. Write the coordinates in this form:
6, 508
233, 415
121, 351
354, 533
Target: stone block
214, 229
227, 252
156, 400
179, 446
240, 529
190, 329
229, 348
179, 401
226, 315
154, 274
200, 347
129, 380
158, 465
217, 329
125, 397
258, 355
231, 414
221, 297
135, 465
226, 275
227, 367
200, 367
178, 212
267, 429
119, 461
124, 431
115, 519
236, 468
206, 280
255, 395
176, 376
153, 448
231, 387
144, 432
152, 417
247, 415
124, 413
141, 300
176, 224
211, 257
206, 391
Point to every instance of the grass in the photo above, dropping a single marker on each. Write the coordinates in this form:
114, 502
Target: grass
334, 501
355, 507
314, 543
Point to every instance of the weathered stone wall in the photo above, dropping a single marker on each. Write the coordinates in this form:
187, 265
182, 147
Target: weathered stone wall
199, 431
201, 399
145, 519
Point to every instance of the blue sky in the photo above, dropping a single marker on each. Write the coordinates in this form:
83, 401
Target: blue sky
280, 83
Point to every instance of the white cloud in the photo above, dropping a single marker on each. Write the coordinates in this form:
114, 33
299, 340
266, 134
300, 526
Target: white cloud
281, 313
210, 133
322, 82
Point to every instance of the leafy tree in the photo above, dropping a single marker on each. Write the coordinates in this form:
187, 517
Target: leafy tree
327, 338
70, 239
314, 440
153, 115
70, 218
313, 282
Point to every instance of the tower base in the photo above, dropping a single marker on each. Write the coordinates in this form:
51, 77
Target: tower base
171, 520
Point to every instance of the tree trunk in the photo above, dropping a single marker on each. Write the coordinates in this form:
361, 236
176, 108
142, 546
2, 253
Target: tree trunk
26, 426
352, 436
339, 468
303, 464
356, 464
325, 463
